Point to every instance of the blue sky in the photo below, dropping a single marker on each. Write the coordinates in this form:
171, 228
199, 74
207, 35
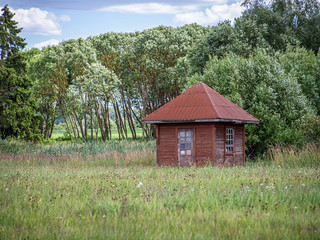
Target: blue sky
48, 22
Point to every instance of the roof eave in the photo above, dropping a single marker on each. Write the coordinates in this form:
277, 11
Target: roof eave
236, 121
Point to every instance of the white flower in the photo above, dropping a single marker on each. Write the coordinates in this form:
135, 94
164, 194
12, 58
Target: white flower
7, 189
139, 185
104, 216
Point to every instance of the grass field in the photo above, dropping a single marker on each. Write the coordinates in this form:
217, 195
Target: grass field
115, 191
56, 134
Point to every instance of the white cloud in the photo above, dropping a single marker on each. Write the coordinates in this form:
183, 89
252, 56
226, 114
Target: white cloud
65, 18
37, 21
50, 42
211, 15
216, 2
150, 8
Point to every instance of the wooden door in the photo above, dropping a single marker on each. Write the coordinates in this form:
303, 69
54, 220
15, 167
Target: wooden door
185, 147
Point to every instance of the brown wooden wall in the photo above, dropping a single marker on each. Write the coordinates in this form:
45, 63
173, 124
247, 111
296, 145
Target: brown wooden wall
208, 144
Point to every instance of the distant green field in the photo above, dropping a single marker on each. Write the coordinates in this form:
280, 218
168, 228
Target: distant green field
61, 133
115, 190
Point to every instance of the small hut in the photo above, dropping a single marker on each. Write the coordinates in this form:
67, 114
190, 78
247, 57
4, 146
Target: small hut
200, 127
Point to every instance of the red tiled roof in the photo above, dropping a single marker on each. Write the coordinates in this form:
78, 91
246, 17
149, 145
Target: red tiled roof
200, 103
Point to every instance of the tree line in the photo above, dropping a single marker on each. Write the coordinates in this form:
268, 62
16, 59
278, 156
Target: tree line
266, 62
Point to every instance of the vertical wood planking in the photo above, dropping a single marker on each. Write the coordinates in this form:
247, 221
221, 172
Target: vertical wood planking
213, 145
157, 143
244, 149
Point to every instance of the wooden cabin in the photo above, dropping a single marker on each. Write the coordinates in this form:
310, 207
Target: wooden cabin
200, 127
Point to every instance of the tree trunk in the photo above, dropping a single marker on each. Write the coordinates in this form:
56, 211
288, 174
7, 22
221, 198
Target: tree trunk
117, 119
52, 126
105, 119
103, 135
91, 123
79, 122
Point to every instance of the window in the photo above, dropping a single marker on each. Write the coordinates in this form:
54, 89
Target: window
185, 142
230, 140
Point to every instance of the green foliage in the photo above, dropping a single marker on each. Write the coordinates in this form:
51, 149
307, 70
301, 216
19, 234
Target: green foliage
154, 68
311, 128
242, 38
10, 42
287, 20
260, 85
17, 103
304, 66
116, 79
17, 108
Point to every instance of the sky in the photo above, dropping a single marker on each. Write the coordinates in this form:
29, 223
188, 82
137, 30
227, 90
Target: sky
48, 22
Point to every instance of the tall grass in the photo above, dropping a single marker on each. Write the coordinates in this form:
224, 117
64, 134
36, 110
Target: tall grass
122, 153
61, 134
115, 191
81, 201
308, 156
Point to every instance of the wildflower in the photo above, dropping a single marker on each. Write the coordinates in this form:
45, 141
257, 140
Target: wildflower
277, 203
303, 184
104, 216
295, 207
40, 201
139, 185
7, 189
268, 214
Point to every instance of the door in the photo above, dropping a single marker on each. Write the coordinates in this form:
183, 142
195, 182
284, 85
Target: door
185, 147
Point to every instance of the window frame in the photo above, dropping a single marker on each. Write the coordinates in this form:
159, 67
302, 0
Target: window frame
230, 140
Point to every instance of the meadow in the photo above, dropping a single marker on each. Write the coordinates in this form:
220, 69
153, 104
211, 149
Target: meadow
60, 134
115, 191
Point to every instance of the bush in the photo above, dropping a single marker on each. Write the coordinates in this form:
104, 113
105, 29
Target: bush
260, 85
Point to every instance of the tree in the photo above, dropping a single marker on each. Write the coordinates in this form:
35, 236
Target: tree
17, 105
287, 20
242, 38
304, 65
10, 41
151, 66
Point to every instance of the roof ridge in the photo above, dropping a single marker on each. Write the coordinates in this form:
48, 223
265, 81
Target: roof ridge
211, 103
